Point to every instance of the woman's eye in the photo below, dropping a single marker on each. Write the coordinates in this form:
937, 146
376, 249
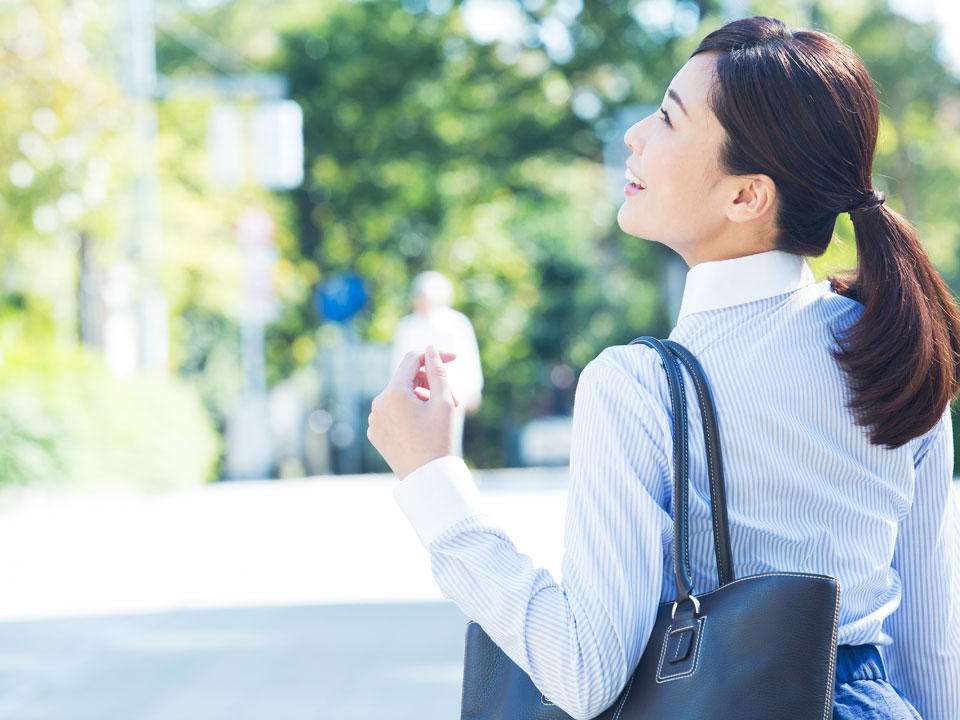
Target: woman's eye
665, 118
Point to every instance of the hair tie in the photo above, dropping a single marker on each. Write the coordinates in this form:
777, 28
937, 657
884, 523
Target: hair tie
871, 201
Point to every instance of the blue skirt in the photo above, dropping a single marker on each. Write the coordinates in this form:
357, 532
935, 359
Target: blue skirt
862, 691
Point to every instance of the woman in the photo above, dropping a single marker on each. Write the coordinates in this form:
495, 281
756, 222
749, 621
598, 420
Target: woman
833, 400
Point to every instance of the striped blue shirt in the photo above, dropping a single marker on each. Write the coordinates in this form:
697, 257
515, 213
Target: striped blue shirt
806, 491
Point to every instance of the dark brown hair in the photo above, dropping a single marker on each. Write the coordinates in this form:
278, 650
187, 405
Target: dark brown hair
799, 106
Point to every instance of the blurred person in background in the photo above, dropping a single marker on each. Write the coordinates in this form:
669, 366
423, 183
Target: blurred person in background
433, 320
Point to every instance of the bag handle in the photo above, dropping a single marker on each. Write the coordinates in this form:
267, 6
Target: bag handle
681, 470
670, 352
711, 436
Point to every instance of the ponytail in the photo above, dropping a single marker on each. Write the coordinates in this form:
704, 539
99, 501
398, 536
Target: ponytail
902, 356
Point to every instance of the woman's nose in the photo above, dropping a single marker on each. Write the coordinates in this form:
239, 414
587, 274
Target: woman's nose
632, 138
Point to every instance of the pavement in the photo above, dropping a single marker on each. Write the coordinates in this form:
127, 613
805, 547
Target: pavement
273, 600
277, 600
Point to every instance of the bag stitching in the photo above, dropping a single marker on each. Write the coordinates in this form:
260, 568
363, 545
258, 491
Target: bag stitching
686, 471
831, 666
701, 623
678, 631
623, 700
751, 577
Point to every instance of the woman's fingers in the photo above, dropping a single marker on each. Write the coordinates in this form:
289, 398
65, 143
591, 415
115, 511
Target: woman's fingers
445, 355
410, 367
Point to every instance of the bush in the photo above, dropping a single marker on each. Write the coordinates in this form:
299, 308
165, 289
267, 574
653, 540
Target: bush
64, 419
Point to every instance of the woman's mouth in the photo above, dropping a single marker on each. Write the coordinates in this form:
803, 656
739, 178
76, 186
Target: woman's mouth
634, 185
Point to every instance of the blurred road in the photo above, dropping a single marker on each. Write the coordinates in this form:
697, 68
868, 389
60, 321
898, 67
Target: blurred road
350, 662
248, 600
307, 599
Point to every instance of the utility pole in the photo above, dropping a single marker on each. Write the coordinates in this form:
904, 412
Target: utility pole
276, 137
145, 238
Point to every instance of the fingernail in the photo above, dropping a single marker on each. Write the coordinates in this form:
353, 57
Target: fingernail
431, 351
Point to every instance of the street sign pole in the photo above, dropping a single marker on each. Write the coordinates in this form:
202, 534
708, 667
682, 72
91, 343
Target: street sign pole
339, 299
250, 452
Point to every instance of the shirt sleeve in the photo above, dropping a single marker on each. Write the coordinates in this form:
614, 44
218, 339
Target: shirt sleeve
580, 639
924, 660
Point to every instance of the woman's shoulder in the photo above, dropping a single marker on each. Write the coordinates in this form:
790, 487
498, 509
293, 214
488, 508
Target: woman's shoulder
630, 370
833, 304
638, 360
941, 432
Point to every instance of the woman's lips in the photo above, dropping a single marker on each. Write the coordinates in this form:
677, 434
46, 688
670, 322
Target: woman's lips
635, 185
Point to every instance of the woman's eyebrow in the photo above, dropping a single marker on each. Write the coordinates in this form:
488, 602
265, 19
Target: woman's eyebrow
671, 93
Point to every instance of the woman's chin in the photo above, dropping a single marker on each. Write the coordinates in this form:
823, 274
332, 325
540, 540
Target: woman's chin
629, 225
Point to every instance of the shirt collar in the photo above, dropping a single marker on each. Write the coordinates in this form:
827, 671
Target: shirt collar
722, 283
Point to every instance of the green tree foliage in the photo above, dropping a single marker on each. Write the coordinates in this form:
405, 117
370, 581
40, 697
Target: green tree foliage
426, 149
67, 158
65, 126
64, 419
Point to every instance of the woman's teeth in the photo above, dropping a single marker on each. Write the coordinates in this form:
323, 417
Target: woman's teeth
634, 179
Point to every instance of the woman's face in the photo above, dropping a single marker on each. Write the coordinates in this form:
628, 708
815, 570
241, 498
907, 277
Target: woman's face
686, 198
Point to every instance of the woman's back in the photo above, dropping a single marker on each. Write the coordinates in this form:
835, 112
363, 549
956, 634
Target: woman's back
806, 490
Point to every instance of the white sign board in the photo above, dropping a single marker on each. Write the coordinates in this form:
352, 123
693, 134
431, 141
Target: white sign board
276, 133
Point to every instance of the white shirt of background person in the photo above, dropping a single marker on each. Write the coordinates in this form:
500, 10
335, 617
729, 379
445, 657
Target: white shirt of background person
433, 320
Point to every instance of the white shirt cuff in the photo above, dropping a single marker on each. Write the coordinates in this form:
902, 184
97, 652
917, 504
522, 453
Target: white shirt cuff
438, 495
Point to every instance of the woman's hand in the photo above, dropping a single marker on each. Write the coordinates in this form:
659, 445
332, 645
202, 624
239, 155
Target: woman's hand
411, 421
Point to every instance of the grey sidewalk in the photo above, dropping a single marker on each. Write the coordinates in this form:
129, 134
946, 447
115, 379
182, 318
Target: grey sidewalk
321, 662
294, 600
242, 601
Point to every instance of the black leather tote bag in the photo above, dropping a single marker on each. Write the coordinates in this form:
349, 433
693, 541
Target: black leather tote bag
761, 647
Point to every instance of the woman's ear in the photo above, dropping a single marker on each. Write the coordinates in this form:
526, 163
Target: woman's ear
756, 196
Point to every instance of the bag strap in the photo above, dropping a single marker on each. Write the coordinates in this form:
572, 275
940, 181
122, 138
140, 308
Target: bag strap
711, 436
681, 469
670, 352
